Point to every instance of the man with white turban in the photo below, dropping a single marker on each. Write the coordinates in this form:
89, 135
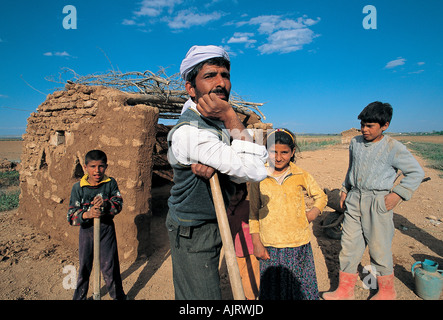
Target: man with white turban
208, 137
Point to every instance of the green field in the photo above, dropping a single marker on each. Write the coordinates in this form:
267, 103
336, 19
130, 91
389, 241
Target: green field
428, 147
432, 152
316, 142
9, 191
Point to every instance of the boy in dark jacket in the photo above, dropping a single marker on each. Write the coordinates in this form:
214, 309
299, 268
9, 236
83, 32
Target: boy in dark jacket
96, 196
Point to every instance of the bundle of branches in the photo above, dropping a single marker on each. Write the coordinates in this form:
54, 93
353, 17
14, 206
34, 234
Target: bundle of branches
159, 89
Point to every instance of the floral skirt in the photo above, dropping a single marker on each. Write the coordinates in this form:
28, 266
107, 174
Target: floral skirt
289, 274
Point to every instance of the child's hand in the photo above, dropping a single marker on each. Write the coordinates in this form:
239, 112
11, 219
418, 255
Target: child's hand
342, 199
391, 200
94, 212
98, 201
260, 251
312, 214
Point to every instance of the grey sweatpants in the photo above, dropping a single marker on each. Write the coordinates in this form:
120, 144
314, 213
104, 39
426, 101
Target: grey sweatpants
367, 222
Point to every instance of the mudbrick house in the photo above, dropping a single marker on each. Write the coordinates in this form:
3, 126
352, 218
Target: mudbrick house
346, 136
80, 118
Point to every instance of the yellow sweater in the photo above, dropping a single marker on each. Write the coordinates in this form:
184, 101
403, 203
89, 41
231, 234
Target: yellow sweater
278, 212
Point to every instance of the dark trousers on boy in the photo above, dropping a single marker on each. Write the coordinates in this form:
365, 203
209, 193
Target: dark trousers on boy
109, 263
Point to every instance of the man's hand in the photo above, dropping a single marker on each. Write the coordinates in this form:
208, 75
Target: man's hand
202, 170
211, 106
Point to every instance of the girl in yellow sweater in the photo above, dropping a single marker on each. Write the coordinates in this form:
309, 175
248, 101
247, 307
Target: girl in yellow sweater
279, 223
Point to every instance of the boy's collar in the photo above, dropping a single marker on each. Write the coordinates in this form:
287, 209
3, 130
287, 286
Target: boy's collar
84, 181
370, 143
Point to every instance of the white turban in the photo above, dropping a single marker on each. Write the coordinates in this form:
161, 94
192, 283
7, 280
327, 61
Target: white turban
198, 54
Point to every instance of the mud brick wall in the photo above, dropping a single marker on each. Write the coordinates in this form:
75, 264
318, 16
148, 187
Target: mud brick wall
346, 136
65, 127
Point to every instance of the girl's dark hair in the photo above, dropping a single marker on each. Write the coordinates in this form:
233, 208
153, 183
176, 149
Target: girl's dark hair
96, 155
218, 61
242, 187
283, 136
376, 112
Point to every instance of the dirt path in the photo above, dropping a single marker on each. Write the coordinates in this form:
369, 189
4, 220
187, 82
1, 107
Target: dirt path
415, 239
36, 267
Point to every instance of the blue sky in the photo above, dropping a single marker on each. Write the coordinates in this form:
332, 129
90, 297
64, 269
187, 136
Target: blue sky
312, 62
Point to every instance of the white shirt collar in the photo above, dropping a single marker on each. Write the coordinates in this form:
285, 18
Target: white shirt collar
189, 104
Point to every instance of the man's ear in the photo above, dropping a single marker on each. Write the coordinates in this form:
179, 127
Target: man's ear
386, 126
190, 89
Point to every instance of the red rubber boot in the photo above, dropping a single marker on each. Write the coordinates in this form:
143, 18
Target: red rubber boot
345, 290
386, 290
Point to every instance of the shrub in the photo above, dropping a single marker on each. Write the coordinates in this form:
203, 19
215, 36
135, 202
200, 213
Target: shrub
9, 200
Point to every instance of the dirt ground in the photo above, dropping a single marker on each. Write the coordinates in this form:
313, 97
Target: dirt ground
34, 266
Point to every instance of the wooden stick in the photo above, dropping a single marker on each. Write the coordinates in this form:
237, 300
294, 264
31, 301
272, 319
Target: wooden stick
228, 244
96, 263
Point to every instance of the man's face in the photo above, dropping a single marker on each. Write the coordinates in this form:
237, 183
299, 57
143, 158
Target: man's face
211, 79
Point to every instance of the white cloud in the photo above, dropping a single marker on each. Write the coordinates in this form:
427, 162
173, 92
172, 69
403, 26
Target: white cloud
267, 33
310, 22
243, 37
128, 22
395, 63
154, 8
286, 41
57, 54
132, 22
62, 54
173, 13
271, 23
187, 18
283, 35
421, 63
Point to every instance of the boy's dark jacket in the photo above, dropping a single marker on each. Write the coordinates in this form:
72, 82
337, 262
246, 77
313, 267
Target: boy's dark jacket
83, 193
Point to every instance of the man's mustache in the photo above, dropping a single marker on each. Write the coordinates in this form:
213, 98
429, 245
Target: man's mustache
220, 90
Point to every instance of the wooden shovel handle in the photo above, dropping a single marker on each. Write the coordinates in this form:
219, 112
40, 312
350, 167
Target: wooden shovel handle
228, 244
96, 263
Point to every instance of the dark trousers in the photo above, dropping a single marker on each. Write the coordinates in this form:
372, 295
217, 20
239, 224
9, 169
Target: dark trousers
109, 263
195, 253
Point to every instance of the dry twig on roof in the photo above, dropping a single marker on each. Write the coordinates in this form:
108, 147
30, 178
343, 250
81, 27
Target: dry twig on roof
166, 92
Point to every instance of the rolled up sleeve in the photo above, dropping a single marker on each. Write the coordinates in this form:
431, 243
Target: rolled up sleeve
243, 161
